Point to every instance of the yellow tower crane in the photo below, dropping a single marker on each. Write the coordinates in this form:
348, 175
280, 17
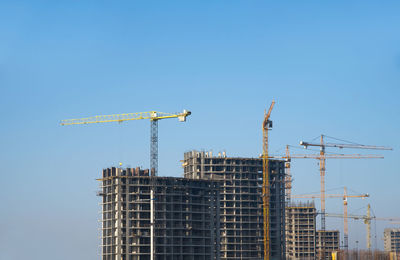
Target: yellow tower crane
344, 196
267, 125
367, 221
154, 117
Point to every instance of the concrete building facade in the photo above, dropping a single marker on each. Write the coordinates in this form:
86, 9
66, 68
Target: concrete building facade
301, 231
241, 202
186, 216
391, 238
326, 242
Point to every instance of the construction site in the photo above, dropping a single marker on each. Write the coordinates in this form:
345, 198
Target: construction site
240, 204
186, 216
301, 226
225, 207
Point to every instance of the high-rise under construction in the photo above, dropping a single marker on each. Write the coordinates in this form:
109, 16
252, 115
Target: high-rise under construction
327, 241
241, 202
301, 231
186, 216
391, 240
214, 212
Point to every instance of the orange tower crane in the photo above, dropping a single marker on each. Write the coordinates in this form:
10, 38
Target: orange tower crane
322, 159
288, 157
344, 196
267, 124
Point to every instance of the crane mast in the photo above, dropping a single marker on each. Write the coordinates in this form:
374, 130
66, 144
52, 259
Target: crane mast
288, 176
322, 168
345, 221
344, 196
288, 157
154, 147
322, 156
367, 221
322, 161
154, 117
267, 124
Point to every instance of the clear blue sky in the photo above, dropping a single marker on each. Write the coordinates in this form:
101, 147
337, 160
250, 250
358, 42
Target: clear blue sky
333, 67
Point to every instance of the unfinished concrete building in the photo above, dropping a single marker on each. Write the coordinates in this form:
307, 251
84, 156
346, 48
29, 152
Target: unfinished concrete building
326, 242
300, 231
391, 238
241, 202
186, 216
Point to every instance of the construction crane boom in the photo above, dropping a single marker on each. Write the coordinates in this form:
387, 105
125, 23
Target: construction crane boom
266, 125
367, 220
322, 160
329, 156
355, 146
322, 156
344, 196
153, 116
318, 196
335, 215
288, 157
